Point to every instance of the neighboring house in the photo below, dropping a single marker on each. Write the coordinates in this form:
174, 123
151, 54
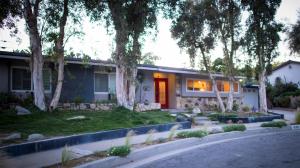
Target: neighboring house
288, 72
175, 88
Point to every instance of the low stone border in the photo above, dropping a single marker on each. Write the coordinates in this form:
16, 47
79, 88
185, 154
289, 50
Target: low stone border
270, 117
54, 143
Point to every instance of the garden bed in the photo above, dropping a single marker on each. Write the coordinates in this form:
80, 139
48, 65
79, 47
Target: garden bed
247, 118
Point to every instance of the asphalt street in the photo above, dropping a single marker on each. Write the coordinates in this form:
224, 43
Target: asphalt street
274, 149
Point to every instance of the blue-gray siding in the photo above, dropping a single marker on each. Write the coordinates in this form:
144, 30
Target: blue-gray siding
78, 82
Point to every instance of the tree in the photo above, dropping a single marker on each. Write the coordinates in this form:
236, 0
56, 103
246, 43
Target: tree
130, 19
262, 38
218, 65
227, 18
149, 59
56, 16
30, 11
294, 36
195, 33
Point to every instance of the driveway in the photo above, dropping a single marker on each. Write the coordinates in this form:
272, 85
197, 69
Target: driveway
276, 150
288, 114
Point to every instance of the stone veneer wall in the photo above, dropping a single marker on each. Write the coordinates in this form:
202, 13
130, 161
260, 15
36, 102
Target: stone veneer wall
204, 103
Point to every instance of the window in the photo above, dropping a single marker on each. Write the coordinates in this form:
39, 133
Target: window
224, 86
199, 85
47, 79
101, 83
21, 79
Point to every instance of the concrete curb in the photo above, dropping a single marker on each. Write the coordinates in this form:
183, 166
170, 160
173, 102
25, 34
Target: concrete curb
141, 153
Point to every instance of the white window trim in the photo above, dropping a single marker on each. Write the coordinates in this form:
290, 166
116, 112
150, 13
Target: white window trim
31, 82
193, 91
109, 82
233, 87
11, 78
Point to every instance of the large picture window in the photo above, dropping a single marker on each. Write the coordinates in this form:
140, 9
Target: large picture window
101, 83
21, 79
199, 85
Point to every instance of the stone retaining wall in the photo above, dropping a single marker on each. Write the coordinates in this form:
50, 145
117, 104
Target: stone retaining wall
204, 103
151, 106
87, 106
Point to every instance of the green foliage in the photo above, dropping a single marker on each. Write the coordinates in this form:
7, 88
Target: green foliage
149, 59
282, 101
216, 116
128, 137
293, 36
280, 92
262, 35
235, 127
149, 139
297, 117
235, 107
77, 100
278, 124
189, 134
121, 151
245, 108
50, 124
172, 132
65, 155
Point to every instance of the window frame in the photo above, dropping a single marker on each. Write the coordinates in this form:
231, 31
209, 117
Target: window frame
31, 81
108, 79
194, 91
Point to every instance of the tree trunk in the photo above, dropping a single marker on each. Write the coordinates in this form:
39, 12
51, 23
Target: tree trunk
59, 50
262, 92
216, 90
36, 50
60, 79
230, 95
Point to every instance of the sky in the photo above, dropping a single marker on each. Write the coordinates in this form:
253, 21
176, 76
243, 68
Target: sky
99, 44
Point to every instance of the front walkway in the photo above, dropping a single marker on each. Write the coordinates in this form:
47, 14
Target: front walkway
50, 157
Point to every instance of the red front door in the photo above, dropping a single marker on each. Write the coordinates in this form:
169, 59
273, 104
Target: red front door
161, 92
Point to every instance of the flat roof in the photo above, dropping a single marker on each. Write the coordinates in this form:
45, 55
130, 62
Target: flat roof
26, 56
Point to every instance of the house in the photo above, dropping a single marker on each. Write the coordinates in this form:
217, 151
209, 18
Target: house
287, 71
95, 80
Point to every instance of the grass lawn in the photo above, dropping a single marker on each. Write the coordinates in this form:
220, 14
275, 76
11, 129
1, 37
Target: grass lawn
55, 124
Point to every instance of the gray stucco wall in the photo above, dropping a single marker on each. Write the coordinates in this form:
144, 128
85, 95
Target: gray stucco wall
78, 81
186, 93
4, 76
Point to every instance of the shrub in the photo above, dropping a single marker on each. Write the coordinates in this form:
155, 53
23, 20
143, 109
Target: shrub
235, 107
297, 118
245, 108
119, 151
278, 124
65, 155
282, 101
78, 100
172, 132
149, 139
216, 116
189, 134
235, 127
